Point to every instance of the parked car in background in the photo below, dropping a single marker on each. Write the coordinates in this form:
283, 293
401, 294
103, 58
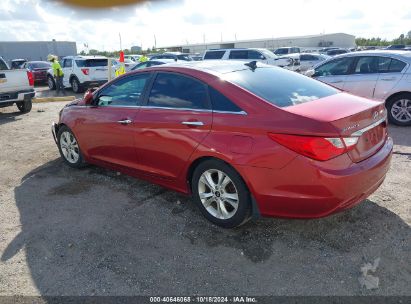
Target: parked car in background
151, 63
39, 70
381, 75
326, 49
286, 50
16, 87
134, 58
395, 47
172, 55
241, 138
291, 62
336, 52
81, 72
17, 63
309, 60
128, 63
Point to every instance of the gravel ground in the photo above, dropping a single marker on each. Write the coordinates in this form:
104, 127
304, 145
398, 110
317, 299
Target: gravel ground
95, 232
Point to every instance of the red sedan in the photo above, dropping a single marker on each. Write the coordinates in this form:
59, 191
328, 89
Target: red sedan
243, 138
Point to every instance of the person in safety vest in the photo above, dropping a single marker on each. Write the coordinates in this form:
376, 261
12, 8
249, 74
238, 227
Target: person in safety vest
122, 68
58, 73
143, 58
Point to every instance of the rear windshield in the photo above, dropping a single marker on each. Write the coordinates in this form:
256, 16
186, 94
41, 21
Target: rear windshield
279, 86
90, 63
39, 65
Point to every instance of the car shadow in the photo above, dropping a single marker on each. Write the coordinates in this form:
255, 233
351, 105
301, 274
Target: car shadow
6, 117
400, 135
94, 231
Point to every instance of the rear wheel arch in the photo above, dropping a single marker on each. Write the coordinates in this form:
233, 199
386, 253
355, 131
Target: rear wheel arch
396, 94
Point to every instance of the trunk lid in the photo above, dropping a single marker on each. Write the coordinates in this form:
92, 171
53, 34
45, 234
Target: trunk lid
351, 116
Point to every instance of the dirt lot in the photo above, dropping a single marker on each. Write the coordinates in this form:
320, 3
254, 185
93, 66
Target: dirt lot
94, 232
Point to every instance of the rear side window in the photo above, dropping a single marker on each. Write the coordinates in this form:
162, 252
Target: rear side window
280, 87
178, 91
396, 65
214, 54
90, 63
68, 63
243, 54
222, 103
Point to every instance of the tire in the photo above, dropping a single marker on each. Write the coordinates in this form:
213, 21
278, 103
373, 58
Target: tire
25, 106
51, 83
69, 148
217, 200
76, 86
399, 109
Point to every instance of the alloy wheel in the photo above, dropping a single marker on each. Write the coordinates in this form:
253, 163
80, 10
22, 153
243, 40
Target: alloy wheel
218, 194
401, 110
69, 147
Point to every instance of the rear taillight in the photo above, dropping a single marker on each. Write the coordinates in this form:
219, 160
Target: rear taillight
85, 71
31, 78
319, 148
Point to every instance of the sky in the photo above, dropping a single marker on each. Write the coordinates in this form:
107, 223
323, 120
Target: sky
171, 22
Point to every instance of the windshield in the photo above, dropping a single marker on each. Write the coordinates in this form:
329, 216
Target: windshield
90, 63
280, 87
267, 53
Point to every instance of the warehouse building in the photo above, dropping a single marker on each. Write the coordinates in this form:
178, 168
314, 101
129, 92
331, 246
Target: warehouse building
36, 50
305, 42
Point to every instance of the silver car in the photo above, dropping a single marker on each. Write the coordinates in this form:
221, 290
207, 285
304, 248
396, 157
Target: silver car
381, 75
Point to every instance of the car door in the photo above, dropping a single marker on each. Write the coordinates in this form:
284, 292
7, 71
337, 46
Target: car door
362, 80
390, 73
107, 129
67, 67
334, 72
174, 121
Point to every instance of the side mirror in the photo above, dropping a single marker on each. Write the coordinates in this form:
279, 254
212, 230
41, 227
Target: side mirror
88, 97
310, 73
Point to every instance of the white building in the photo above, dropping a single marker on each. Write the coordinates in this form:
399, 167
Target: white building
305, 42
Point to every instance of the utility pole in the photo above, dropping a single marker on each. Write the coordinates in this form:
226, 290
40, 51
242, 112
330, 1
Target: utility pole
155, 42
119, 35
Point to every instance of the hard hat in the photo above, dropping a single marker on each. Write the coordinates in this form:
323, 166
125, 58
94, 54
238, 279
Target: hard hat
50, 57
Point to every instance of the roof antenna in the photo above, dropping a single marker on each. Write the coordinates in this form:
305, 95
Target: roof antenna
252, 64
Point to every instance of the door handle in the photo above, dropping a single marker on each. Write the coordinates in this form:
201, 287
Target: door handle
124, 121
193, 123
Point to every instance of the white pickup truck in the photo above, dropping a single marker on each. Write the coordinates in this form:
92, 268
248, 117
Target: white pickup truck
16, 87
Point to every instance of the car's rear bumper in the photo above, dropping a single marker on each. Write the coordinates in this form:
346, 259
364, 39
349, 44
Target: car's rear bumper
309, 189
9, 98
94, 83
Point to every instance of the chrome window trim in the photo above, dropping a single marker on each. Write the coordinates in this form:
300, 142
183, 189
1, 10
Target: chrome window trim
362, 131
195, 110
178, 109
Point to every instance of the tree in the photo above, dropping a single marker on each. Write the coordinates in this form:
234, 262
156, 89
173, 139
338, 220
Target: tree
409, 35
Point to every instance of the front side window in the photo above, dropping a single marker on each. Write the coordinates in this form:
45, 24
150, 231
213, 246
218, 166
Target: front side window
127, 91
280, 87
177, 91
340, 66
